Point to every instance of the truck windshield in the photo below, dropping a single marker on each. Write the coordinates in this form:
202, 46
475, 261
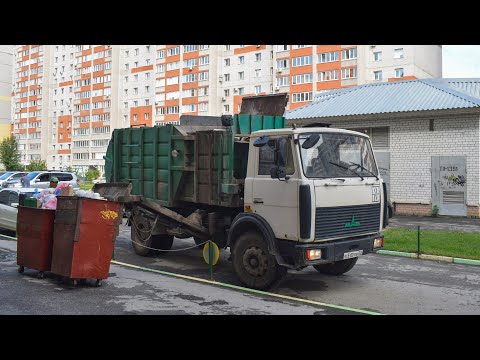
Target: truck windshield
338, 155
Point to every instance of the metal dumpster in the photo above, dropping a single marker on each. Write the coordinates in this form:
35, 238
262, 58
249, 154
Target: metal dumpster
34, 239
84, 236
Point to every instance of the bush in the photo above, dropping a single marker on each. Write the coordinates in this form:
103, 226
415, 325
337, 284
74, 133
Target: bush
40, 165
92, 173
9, 155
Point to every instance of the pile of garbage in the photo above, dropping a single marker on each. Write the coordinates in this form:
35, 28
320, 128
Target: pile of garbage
47, 198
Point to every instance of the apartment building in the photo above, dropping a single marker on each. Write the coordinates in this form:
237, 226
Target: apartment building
69, 98
6, 62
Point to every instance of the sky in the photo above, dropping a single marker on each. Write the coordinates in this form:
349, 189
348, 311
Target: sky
461, 61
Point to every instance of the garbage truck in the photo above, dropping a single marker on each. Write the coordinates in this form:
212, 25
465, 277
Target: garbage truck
278, 196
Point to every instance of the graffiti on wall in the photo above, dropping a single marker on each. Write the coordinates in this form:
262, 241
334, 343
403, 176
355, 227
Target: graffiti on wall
453, 180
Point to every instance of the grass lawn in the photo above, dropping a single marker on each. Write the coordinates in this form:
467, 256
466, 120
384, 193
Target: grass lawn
444, 243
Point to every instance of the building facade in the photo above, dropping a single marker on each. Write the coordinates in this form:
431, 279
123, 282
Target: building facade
427, 145
69, 98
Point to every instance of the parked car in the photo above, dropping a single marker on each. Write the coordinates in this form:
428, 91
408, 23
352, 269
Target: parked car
41, 179
8, 206
11, 176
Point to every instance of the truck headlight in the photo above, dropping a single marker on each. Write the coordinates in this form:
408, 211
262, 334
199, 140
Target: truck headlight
378, 243
314, 254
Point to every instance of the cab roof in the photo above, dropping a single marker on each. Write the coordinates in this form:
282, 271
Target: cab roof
304, 130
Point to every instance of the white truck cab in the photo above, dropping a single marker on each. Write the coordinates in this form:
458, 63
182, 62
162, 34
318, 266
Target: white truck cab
320, 192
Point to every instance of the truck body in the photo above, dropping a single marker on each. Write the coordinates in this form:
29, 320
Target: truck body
279, 197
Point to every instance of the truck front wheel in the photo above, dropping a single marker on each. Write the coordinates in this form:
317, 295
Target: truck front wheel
254, 265
337, 268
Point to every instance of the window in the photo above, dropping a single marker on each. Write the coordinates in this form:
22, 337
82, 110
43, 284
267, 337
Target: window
241, 90
136, 52
147, 89
226, 47
205, 60
398, 53
203, 106
161, 68
301, 60
226, 92
258, 89
302, 97
377, 56
282, 47
241, 59
172, 80
377, 75
283, 64
328, 75
174, 51
258, 57
301, 79
203, 91
135, 91
146, 116
226, 77
135, 64
378, 135
160, 54
147, 47
189, 78
204, 47
282, 81
349, 73
173, 65
190, 63
189, 108
241, 75
172, 95
258, 72
399, 73
172, 110
349, 54
226, 108
328, 57
202, 76
266, 158
226, 62
189, 48
189, 93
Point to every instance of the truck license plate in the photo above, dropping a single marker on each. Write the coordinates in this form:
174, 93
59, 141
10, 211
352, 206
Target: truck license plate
352, 254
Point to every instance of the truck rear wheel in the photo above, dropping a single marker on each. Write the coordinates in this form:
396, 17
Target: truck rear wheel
336, 268
253, 264
143, 243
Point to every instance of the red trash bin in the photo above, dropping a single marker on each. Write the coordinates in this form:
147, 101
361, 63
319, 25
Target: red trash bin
84, 236
34, 239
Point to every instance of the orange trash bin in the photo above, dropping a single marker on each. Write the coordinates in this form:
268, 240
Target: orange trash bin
34, 239
84, 236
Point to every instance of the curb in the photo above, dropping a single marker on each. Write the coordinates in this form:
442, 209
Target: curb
448, 259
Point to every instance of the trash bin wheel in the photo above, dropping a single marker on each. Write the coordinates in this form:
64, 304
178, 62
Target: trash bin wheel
21, 269
74, 282
98, 283
40, 275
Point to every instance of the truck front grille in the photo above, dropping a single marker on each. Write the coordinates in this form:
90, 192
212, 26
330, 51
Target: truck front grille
346, 220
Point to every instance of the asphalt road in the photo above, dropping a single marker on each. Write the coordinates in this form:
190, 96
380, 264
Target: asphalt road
378, 283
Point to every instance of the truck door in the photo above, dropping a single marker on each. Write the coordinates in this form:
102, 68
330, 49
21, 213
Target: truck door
273, 199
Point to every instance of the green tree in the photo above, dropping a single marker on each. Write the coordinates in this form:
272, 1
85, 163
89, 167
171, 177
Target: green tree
69, 168
92, 173
35, 165
9, 155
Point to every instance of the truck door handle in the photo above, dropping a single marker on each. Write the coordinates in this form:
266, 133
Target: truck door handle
258, 201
